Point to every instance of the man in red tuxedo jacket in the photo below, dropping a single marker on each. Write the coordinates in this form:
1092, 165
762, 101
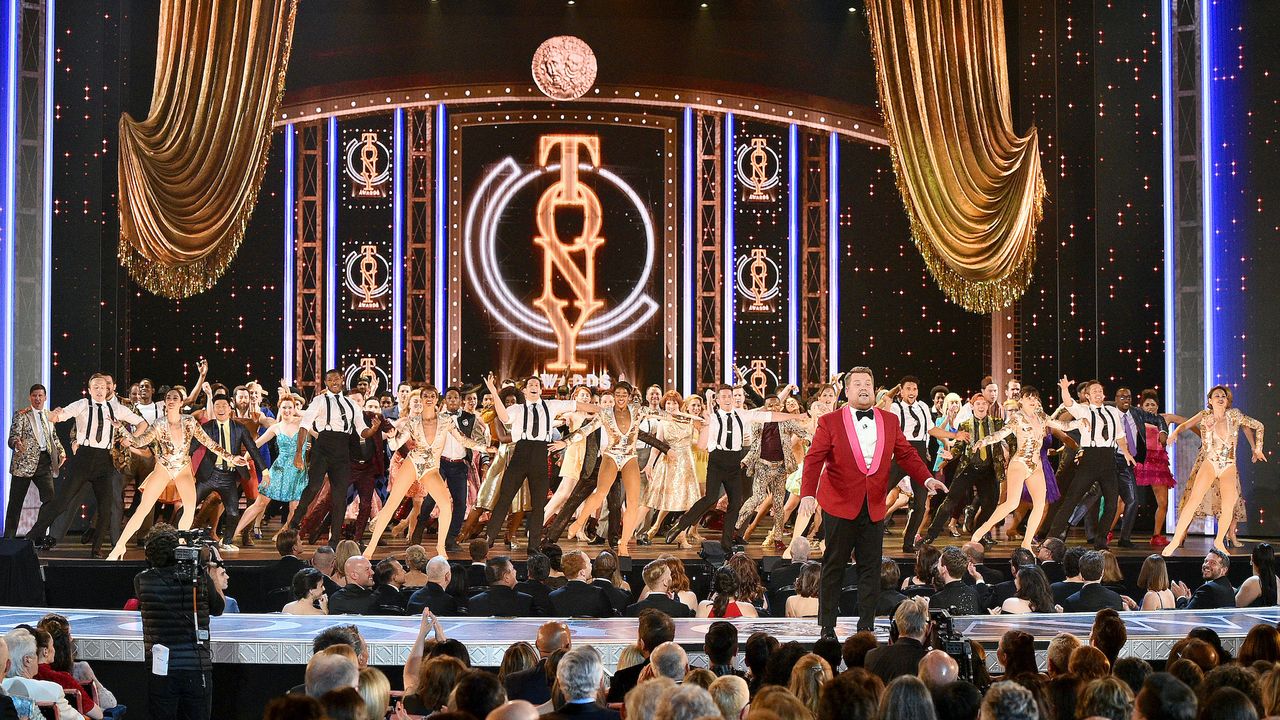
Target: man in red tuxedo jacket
846, 473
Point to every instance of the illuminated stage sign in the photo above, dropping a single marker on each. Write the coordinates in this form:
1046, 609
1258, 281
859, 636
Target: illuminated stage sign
567, 315
368, 166
760, 377
368, 278
759, 280
759, 170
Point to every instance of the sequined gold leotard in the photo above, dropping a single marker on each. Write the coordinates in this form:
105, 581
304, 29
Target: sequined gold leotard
1220, 449
1030, 435
622, 445
174, 453
425, 454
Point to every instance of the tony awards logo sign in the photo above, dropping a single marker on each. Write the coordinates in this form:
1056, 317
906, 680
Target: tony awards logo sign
760, 377
368, 278
758, 280
759, 170
368, 166
567, 315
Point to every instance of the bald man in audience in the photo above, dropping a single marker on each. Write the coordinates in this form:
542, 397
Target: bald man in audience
669, 660
432, 594
356, 597
533, 684
938, 670
514, 710
331, 671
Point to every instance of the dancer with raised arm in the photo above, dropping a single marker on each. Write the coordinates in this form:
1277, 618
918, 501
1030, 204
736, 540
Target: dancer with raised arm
846, 473
1220, 426
281, 482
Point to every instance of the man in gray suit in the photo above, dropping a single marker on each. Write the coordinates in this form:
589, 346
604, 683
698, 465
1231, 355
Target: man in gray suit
37, 456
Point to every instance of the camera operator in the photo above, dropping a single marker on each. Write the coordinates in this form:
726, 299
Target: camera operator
175, 623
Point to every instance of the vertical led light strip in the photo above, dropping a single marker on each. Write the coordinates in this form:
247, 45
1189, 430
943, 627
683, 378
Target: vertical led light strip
793, 255
1166, 141
46, 240
290, 310
331, 249
440, 343
9, 209
1206, 180
726, 195
686, 270
397, 251
833, 255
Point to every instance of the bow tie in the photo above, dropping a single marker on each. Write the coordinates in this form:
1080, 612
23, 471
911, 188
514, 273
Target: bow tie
864, 415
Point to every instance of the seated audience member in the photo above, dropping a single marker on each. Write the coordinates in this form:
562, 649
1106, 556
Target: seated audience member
348, 635
755, 655
514, 710
1216, 590
415, 567
890, 598
331, 669
45, 671
477, 694
1062, 692
20, 653
432, 594
846, 698
555, 556
1262, 643
724, 601
1064, 589
538, 569
1108, 634
781, 662
501, 598
829, 648
375, 690
64, 660
1111, 575
343, 704
1259, 589
578, 597
686, 702
294, 707
1089, 663
1092, 595
721, 646
808, 677
959, 701
680, 586
903, 656
436, 679
657, 593
642, 701
1031, 593
1230, 704
279, 574
730, 694
630, 656
780, 702
325, 559
604, 575
804, 604
219, 580
1016, 653
1008, 701
1232, 676
1133, 671
1051, 553
356, 597
977, 555
653, 630
1186, 672
1059, 653
1153, 583
534, 684
579, 676
750, 586
309, 596
785, 575
388, 581
955, 595
926, 569
1209, 635
855, 648
669, 660
1165, 697
701, 677
1002, 591
519, 657
476, 575
904, 699
1107, 697
938, 670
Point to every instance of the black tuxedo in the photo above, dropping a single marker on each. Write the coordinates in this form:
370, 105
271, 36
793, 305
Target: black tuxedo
1212, 594
965, 599
387, 600
1000, 593
584, 711
624, 680
783, 576
279, 574
1054, 571
227, 483
990, 576
618, 597
900, 658
433, 596
578, 599
352, 599
1063, 590
501, 601
475, 576
658, 601
1093, 597
540, 593
529, 684
1139, 417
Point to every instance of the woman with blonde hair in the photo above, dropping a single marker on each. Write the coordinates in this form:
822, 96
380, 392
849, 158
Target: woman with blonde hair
808, 676
345, 550
1153, 580
375, 690
519, 656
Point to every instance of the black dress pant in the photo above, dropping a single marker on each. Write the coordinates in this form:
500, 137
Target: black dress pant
180, 695
581, 492
226, 483
981, 477
919, 501
1097, 464
43, 479
454, 474
724, 470
330, 455
88, 465
865, 540
528, 464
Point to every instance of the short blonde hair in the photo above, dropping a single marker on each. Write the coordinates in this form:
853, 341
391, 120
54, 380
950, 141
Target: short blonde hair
375, 689
730, 694
808, 676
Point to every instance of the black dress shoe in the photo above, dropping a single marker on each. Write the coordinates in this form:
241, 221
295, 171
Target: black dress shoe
670, 537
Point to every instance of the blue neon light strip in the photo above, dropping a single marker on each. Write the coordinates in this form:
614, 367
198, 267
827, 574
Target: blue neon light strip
289, 250
331, 249
7, 212
727, 248
397, 251
793, 255
440, 341
1166, 140
46, 246
1206, 177
833, 255
687, 267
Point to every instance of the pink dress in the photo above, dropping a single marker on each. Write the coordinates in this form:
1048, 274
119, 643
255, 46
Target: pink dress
1155, 469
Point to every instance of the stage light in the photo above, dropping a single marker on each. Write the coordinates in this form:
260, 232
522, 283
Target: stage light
793, 251
289, 253
727, 249
1166, 141
1206, 180
8, 206
46, 240
687, 269
331, 248
833, 254
440, 341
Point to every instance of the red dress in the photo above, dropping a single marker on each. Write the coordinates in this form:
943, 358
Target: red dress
1155, 469
731, 611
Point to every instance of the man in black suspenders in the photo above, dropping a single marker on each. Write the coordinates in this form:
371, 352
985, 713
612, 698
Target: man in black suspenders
332, 419
916, 419
96, 418
531, 430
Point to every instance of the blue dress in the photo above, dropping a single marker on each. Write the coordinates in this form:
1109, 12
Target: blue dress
287, 481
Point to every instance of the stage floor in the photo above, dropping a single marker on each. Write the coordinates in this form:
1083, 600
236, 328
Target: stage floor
274, 639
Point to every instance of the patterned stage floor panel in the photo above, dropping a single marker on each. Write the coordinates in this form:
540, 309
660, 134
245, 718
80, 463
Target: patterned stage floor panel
274, 639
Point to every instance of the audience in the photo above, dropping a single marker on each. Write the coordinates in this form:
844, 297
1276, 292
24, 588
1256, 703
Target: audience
1065, 588
808, 677
721, 646
855, 648
537, 570
669, 660
501, 598
653, 630
477, 694
1016, 653
1164, 697
1216, 590
1153, 581
938, 670
804, 604
1259, 590
657, 593
906, 698
759, 648
725, 601
375, 690
1108, 634
580, 675
687, 702
437, 573
21, 665
1059, 653
333, 668
730, 694
642, 701
356, 596
578, 597
701, 677
534, 684
1133, 671
1092, 595
344, 704
890, 598
903, 656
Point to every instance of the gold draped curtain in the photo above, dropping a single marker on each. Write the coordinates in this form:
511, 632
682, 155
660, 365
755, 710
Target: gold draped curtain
190, 172
972, 186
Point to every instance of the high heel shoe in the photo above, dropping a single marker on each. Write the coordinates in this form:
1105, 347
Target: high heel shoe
682, 541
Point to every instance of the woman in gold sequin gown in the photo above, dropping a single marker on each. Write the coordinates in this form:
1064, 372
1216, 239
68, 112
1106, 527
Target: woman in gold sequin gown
673, 479
1220, 425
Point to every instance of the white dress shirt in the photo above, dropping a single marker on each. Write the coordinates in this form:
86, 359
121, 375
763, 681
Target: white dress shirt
868, 438
1105, 425
731, 430
42, 691
915, 419
533, 421
91, 416
40, 428
151, 412
452, 449
333, 412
